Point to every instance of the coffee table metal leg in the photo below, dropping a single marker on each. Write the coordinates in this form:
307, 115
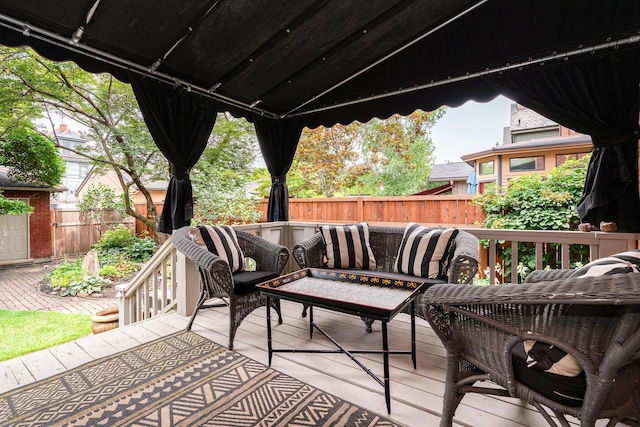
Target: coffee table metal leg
269, 345
385, 358
310, 322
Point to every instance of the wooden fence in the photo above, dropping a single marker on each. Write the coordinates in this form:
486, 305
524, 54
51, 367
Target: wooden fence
72, 235
142, 209
433, 210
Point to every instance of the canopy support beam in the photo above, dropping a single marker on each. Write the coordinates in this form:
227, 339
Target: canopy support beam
499, 70
383, 59
25, 28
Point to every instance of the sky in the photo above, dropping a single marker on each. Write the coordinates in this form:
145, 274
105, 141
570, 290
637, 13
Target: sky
470, 128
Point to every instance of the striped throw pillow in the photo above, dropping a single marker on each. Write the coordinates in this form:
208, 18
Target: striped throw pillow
222, 241
425, 252
624, 262
347, 246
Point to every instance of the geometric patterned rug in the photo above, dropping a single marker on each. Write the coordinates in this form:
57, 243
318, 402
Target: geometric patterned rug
179, 380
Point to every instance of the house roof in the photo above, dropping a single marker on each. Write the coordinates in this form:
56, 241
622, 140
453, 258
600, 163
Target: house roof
454, 171
329, 60
532, 144
6, 184
160, 185
523, 118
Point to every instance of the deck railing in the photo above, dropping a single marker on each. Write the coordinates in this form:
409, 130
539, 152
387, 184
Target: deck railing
169, 280
153, 290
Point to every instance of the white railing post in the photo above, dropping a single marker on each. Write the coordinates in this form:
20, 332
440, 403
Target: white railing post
187, 284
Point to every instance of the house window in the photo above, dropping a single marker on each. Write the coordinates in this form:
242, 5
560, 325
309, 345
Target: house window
561, 158
486, 168
517, 164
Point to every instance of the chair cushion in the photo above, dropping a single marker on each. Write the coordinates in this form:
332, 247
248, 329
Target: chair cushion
624, 262
425, 252
548, 358
222, 241
566, 390
347, 246
245, 282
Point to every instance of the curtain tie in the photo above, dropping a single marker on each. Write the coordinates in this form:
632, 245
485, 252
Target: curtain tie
617, 136
180, 173
281, 179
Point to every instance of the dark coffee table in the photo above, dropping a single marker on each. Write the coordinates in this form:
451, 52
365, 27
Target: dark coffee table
360, 293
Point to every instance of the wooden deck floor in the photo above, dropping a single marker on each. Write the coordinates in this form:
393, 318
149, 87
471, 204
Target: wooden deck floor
416, 394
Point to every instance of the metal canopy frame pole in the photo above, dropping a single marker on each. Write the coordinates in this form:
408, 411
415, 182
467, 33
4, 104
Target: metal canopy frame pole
26, 28
499, 70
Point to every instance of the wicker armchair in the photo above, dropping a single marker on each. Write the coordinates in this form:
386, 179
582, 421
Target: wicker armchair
217, 281
385, 242
594, 319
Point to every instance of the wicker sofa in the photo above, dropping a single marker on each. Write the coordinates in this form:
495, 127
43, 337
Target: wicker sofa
385, 242
594, 319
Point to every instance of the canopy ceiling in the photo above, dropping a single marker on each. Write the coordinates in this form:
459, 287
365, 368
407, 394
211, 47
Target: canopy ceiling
330, 60
286, 64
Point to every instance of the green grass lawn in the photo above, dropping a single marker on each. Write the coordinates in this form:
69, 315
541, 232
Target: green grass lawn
23, 332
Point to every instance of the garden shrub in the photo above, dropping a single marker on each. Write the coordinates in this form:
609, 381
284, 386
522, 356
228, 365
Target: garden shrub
120, 244
66, 273
86, 285
537, 202
110, 272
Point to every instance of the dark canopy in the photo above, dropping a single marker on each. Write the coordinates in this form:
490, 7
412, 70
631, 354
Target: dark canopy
335, 61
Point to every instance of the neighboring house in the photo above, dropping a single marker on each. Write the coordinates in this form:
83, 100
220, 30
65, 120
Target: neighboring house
455, 174
76, 167
26, 238
157, 189
532, 144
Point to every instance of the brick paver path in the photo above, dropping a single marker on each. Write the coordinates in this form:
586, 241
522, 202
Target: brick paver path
19, 291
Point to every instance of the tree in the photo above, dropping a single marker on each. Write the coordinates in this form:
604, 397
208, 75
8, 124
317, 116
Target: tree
381, 157
328, 159
29, 157
118, 137
98, 203
400, 153
222, 175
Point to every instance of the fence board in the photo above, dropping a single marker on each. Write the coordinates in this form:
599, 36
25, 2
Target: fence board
441, 210
72, 235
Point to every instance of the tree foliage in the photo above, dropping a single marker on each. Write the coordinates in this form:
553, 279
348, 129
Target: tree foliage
537, 202
381, 157
328, 159
222, 175
118, 138
30, 157
13, 207
98, 203
399, 152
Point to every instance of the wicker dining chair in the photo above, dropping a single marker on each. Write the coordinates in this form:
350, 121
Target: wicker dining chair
217, 281
594, 319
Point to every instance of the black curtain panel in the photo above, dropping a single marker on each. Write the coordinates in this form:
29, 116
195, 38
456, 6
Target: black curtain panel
180, 123
278, 141
598, 96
